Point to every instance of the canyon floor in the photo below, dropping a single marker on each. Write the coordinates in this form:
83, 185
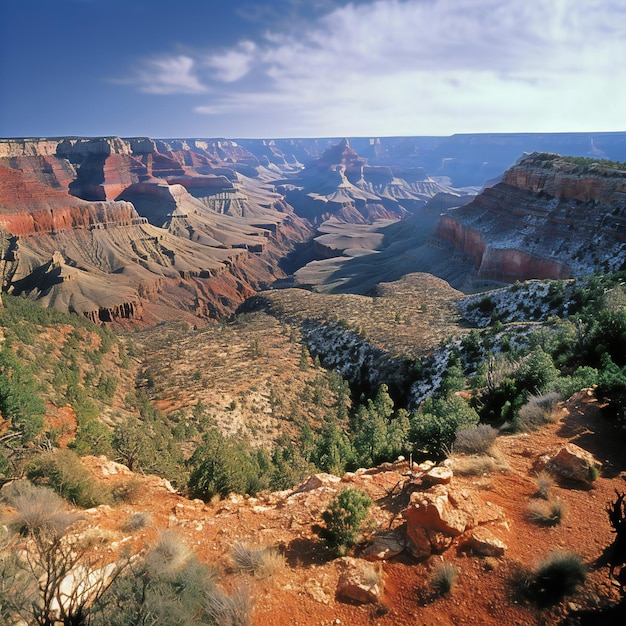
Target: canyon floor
487, 591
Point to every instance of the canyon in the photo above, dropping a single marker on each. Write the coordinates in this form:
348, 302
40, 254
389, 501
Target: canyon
138, 231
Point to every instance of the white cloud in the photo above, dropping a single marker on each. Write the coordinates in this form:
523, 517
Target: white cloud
429, 66
168, 75
233, 65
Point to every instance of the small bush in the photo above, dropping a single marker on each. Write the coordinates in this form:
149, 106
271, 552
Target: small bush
442, 578
128, 491
260, 562
548, 513
556, 576
477, 440
37, 510
169, 555
343, 518
538, 410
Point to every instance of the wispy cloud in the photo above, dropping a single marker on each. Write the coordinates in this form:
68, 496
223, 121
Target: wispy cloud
168, 75
232, 65
399, 65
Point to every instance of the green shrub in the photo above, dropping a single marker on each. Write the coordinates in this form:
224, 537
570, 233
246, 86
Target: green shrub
221, 465
19, 396
434, 426
62, 471
556, 576
169, 586
92, 437
344, 517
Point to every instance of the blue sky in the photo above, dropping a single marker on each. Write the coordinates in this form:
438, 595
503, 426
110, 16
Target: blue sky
296, 68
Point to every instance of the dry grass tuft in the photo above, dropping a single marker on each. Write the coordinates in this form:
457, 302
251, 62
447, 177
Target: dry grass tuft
261, 562
548, 513
442, 578
478, 440
539, 410
544, 482
478, 465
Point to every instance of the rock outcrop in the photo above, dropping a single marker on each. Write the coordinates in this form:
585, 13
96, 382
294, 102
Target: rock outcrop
139, 230
437, 516
549, 217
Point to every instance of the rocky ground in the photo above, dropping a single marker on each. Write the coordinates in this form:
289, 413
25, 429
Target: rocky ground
485, 496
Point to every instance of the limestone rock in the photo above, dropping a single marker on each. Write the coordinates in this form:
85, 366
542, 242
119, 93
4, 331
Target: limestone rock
359, 581
482, 542
572, 462
434, 517
423, 542
384, 545
315, 481
439, 475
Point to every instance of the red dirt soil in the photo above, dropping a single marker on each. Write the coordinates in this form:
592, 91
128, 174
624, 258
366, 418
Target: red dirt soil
303, 593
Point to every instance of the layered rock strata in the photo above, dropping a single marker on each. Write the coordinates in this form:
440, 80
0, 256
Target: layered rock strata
138, 230
549, 217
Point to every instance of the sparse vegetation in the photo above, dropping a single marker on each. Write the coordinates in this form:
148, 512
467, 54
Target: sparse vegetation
478, 440
558, 575
544, 482
262, 562
40, 555
442, 578
547, 513
62, 471
538, 410
344, 517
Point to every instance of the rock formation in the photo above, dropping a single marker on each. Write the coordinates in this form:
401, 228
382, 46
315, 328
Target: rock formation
548, 218
138, 229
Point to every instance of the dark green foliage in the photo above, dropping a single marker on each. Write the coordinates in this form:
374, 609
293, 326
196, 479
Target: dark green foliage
148, 445
333, 451
344, 517
288, 465
501, 404
62, 471
606, 335
19, 396
556, 576
92, 437
434, 426
588, 161
221, 465
612, 389
453, 378
617, 518
582, 378
536, 372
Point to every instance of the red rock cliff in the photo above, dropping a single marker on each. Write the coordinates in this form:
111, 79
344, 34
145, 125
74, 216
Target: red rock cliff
548, 218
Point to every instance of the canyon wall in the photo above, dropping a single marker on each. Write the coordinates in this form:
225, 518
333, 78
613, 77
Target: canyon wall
135, 231
549, 217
